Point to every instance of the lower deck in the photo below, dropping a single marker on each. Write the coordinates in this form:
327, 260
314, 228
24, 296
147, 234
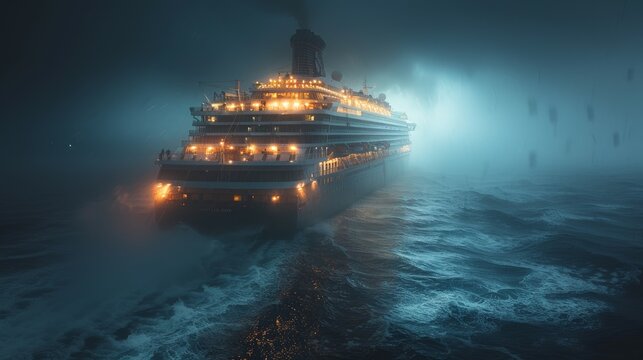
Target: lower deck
286, 206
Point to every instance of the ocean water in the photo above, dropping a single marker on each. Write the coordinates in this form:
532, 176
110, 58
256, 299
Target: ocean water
428, 267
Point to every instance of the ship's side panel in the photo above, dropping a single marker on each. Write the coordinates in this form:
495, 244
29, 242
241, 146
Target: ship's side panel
339, 191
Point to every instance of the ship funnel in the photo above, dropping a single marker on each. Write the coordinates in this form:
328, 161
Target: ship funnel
307, 53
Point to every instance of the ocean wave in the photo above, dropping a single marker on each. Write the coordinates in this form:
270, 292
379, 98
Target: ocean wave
424, 268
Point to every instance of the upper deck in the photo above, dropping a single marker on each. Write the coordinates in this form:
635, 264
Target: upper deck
288, 94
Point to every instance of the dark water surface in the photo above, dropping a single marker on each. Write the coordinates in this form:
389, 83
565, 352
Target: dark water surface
428, 267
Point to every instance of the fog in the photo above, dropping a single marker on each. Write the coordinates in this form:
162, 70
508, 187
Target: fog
495, 87
451, 261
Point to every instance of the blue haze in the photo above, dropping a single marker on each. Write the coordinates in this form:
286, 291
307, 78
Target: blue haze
517, 232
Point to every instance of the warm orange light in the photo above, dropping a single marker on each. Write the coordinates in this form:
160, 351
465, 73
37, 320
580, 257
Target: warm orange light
231, 147
293, 148
161, 191
275, 198
222, 143
193, 148
273, 148
236, 198
313, 185
229, 161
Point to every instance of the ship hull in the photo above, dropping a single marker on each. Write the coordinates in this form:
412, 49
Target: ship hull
322, 198
349, 186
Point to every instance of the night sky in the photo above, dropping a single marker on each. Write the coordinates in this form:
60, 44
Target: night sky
93, 87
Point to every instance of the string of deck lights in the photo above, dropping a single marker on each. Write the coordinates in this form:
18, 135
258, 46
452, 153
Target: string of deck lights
295, 103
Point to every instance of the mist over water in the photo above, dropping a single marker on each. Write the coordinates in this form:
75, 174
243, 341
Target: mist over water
430, 266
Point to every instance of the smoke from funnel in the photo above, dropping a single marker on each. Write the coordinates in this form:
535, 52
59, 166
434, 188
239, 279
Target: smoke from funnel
297, 9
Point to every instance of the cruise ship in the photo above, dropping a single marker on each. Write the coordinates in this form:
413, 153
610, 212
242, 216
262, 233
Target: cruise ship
294, 149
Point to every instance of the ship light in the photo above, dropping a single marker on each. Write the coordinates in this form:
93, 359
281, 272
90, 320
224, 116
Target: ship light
285, 104
193, 148
161, 191
236, 198
296, 104
231, 147
313, 185
300, 186
293, 148
229, 161
273, 148
275, 198
222, 143
209, 149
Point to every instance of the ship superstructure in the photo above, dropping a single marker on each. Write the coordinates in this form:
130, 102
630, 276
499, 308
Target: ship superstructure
296, 148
